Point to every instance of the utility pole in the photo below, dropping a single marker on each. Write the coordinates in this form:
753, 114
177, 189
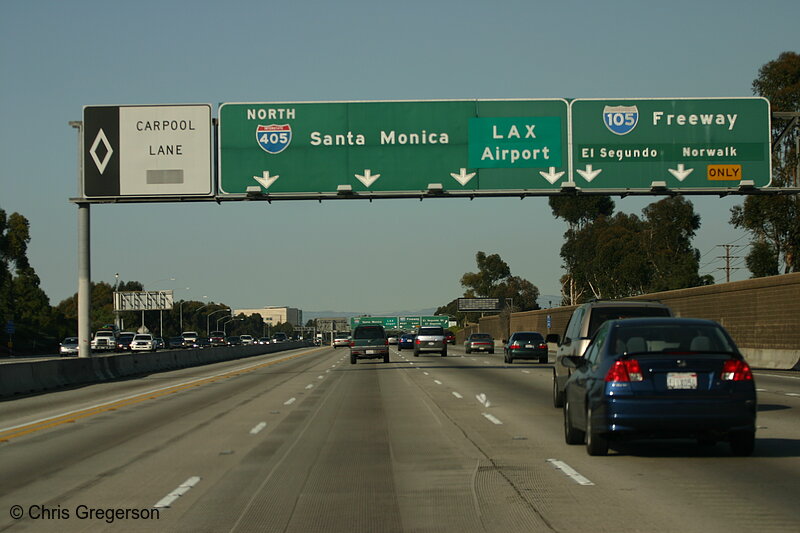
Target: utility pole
728, 257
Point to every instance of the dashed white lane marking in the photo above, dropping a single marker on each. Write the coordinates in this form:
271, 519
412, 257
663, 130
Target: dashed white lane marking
457, 395
493, 419
792, 394
320, 377
437, 381
290, 401
526, 371
426, 373
309, 386
182, 489
569, 471
257, 428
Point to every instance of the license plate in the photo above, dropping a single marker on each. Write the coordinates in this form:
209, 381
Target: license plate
370, 352
431, 343
681, 380
529, 345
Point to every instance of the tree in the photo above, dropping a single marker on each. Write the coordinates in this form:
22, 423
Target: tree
671, 225
578, 211
494, 280
773, 221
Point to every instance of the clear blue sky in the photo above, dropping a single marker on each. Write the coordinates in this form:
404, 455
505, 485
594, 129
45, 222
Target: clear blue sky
57, 56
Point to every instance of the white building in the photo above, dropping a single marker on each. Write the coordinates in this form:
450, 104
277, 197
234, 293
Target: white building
275, 315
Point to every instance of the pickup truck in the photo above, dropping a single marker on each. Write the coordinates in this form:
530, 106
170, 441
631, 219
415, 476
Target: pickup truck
104, 340
369, 342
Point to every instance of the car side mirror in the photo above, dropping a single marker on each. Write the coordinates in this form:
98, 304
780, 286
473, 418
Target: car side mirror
505, 341
573, 361
553, 337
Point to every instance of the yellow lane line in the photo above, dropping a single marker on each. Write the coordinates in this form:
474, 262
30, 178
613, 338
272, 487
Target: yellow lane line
32, 427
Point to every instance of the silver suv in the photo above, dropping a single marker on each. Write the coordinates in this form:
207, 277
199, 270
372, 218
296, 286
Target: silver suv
585, 320
430, 339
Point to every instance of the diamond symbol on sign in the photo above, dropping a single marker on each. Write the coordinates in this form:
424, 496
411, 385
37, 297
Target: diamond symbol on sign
101, 137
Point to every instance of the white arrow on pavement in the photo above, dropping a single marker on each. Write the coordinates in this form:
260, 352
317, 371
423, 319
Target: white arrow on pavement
462, 177
680, 173
551, 175
367, 178
589, 174
266, 180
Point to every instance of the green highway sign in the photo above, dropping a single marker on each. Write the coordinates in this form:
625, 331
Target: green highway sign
401, 322
388, 322
690, 144
399, 146
409, 322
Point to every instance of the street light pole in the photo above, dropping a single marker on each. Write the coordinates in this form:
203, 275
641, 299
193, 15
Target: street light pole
208, 317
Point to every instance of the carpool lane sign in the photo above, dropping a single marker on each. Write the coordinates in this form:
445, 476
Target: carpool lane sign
691, 143
147, 151
381, 146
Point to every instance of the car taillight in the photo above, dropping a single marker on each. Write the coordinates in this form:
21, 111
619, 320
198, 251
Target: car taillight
625, 370
386, 342
736, 370
416, 340
543, 345
351, 343
514, 346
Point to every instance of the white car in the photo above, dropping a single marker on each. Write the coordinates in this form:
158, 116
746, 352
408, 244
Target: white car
69, 346
341, 339
143, 342
247, 339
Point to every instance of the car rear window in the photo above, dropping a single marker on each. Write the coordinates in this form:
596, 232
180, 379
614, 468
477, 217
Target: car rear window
478, 336
431, 331
369, 332
528, 337
602, 314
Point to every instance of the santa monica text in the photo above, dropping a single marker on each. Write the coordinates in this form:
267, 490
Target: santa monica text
386, 137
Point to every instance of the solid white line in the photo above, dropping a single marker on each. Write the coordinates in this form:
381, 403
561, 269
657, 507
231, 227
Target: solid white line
493, 419
457, 395
569, 471
182, 489
290, 401
258, 427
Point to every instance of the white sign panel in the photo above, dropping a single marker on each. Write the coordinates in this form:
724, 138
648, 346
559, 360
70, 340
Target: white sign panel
147, 151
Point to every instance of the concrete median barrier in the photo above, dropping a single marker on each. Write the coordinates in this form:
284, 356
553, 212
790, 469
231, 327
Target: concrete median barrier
18, 378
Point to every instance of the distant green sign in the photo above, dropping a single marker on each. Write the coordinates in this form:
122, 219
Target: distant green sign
692, 143
310, 148
402, 322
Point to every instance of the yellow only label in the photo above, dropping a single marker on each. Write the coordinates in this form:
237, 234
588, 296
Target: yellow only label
725, 172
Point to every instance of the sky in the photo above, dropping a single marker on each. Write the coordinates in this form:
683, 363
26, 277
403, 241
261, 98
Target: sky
357, 256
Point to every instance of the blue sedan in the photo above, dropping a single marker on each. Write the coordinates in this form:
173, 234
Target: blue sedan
406, 340
661, 378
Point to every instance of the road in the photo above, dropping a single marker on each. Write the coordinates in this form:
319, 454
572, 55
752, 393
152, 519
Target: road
304, 441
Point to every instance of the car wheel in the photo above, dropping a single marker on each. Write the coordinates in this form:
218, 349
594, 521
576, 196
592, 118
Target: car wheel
352, 359
468, 351
743, 443
444, 352
510, 359
571, 434
543, 360
558, 396
399, 349
416, 353
386, 358
596, 443
491, 352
